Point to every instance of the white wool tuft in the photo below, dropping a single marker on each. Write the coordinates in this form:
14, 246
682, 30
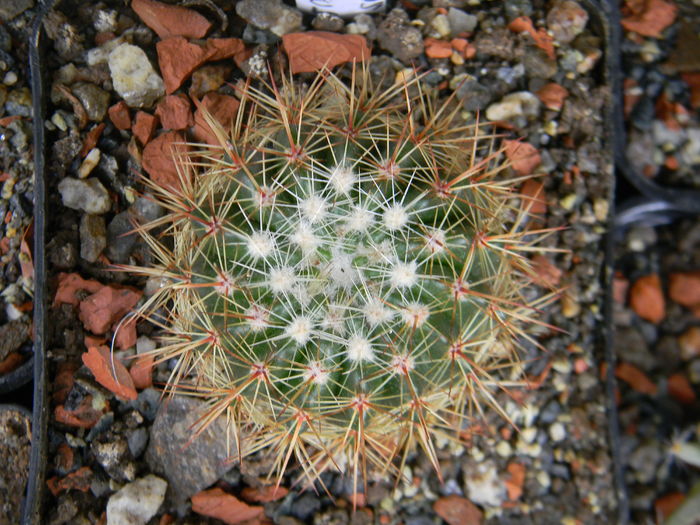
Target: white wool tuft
260, 245
314, 208
403, 274
300, 329
395, 217
360, 349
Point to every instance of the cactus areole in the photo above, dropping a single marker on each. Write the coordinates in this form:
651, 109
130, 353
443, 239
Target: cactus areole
342, 273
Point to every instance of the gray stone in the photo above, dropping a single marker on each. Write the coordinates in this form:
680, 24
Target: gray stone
537, 63
10, 9
395, 35
87, 195
461, 22
19, 102
474, 96
137, 502
93, 236
497, 43
306, 506
121, 239
133, 76
328, 22
566, 20
137, 439
187, 466
95, 100
12, 335
272, 15
113, 456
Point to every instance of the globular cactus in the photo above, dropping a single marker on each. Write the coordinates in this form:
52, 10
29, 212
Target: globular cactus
343, 274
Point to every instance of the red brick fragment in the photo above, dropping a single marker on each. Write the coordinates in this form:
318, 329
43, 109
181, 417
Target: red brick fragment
647, 298
175, 112
144, 127
314, 50
119, 115
158, 159
215, 503
171, 20
110, 372
222, 108
456, 510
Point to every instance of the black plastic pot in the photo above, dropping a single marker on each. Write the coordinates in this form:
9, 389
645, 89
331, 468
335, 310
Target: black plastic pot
601, 13
682, 199
40, 416
19, 377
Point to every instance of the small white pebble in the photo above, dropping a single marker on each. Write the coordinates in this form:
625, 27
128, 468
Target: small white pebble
504, 449
557, 431
91, 160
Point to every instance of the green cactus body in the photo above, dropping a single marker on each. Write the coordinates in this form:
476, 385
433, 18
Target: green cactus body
345, 277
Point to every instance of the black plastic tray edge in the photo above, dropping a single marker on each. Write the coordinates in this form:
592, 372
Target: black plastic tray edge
31, 514
686, 200
607, 10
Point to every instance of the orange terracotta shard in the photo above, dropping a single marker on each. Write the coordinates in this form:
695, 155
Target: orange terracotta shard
313, 50
109, 372
647, 298
171, 20
215, 503
651, 19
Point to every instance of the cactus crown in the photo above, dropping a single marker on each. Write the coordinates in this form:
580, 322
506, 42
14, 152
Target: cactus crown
342, 273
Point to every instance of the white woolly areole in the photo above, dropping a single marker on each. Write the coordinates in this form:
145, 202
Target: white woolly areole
257, 317
334, 321
395, 217
376, 313
403, 274
342, 179
301, 294
415, 314
305, 238
360, 349
359, 220
341, 270
316, 373
314, 208
435, 241
225, 284
260, 245
300, 329
281, 280
402, 364
264, 196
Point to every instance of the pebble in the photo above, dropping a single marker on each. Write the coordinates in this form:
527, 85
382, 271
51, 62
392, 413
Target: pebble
362, 24
113, 457
190, 468
10, 9
133, 76
482, 484
328, 22
137, 502
91, 160
474, 96
395, 35
566, 20
19, 102
87, 195
461, 22
137, 440
557, 432
93, 236
272, 15
305, 507
518, 104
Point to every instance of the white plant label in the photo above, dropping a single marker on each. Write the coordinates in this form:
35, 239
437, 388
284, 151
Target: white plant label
341, 7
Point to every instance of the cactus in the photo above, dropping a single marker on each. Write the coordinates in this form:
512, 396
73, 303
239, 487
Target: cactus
342, 276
